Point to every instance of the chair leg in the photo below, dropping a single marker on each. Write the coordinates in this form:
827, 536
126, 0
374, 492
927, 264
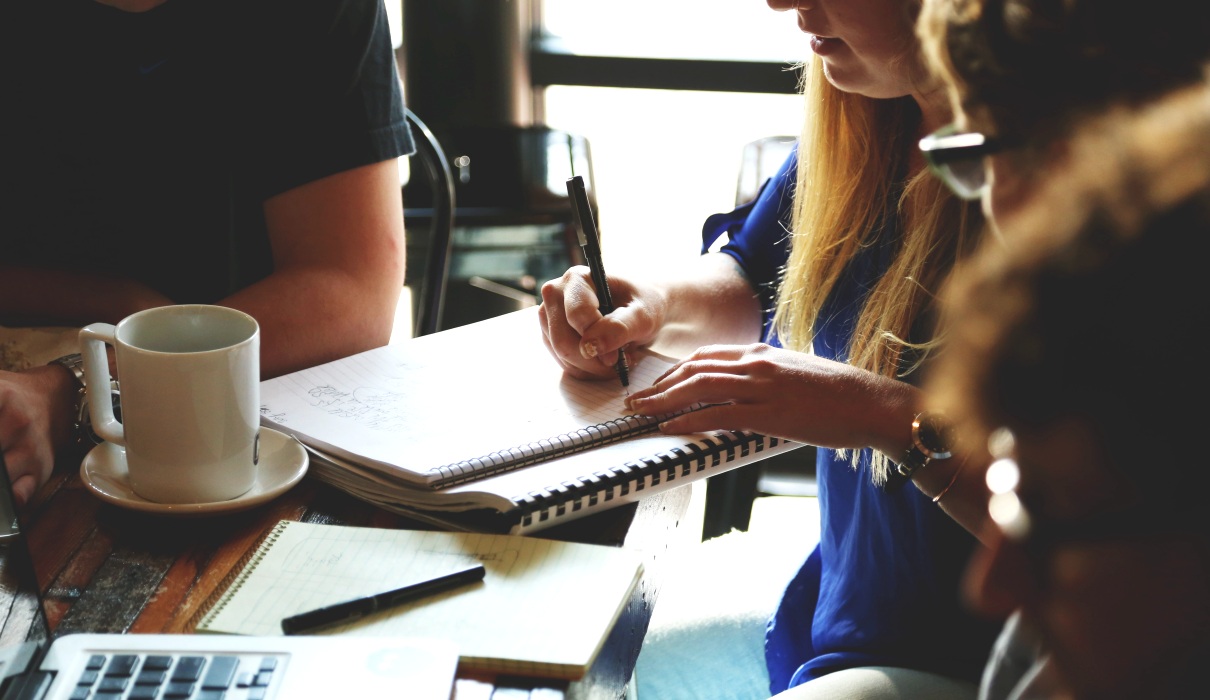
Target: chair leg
729, 499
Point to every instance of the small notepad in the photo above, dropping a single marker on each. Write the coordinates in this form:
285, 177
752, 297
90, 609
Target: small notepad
544, 607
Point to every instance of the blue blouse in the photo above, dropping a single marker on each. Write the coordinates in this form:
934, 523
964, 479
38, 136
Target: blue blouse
882, 586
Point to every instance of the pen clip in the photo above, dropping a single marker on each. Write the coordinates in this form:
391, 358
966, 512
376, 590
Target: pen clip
580, 209
586, 230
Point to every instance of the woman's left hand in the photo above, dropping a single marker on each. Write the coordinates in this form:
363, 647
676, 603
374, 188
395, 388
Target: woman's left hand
783, 393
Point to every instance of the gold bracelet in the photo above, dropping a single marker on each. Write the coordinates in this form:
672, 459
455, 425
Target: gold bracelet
953, 480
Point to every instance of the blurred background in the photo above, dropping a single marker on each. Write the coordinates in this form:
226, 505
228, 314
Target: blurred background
671, 110
662, 106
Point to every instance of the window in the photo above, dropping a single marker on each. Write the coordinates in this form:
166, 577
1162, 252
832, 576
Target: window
735, 30
665, 159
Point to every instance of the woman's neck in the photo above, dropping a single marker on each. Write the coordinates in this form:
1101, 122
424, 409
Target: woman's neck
935, 113
935, 109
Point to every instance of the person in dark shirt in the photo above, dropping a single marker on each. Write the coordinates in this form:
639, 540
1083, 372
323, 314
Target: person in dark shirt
233, 152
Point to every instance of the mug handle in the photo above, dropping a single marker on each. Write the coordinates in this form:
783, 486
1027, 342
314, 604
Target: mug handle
93, 339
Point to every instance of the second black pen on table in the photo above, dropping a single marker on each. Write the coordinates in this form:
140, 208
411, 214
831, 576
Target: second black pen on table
357, 608
586, 230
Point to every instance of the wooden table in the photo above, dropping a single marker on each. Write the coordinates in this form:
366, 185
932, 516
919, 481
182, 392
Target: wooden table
106, 569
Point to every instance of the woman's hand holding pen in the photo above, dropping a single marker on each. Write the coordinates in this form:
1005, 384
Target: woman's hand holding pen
783, 393
584, 342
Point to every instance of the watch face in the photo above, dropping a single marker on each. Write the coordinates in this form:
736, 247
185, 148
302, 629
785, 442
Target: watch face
934, 435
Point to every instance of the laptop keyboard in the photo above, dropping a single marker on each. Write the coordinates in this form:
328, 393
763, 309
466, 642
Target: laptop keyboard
179, 677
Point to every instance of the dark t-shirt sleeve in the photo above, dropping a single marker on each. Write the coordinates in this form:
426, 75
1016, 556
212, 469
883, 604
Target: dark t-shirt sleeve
329, 99
144, 144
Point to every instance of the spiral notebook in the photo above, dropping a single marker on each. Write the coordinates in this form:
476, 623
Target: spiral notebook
478, 428
502, 624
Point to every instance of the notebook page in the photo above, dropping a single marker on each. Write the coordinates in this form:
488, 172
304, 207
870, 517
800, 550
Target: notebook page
543, 608
444, 398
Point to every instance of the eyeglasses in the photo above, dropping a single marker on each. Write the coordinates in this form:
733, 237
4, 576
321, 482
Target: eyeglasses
1019, 520
957, 158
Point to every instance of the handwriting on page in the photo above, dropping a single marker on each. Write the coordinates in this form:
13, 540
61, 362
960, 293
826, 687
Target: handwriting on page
391, 402
376, 409
384, 408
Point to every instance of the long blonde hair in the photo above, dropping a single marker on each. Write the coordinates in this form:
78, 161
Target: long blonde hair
853, 163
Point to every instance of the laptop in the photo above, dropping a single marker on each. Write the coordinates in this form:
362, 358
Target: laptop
37, 665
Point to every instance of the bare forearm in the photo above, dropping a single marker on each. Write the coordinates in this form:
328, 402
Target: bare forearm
711, 302
312, 316
963, 494
957, 480
35, 296
338, 249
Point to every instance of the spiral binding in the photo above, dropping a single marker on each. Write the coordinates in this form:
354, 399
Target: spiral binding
214, 604
578, 440
617, 482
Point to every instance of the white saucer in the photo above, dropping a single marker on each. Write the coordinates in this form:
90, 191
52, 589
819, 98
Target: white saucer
283, 462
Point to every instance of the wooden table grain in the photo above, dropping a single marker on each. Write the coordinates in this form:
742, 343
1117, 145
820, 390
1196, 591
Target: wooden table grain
106, 569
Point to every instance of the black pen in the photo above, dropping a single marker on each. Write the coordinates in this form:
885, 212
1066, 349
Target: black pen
586, 229
357, 608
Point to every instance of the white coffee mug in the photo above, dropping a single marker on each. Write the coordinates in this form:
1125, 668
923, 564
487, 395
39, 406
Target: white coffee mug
190, 385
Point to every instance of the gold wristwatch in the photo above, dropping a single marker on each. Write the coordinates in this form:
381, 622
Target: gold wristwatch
932, 439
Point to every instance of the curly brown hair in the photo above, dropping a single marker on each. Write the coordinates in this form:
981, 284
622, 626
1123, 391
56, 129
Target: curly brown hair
1029, 69
1093, 308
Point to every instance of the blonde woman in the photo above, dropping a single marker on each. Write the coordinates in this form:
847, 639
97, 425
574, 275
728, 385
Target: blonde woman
827, 354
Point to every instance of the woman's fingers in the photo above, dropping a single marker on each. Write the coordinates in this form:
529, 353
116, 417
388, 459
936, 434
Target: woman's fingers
564, 313
695, 384
582, 341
